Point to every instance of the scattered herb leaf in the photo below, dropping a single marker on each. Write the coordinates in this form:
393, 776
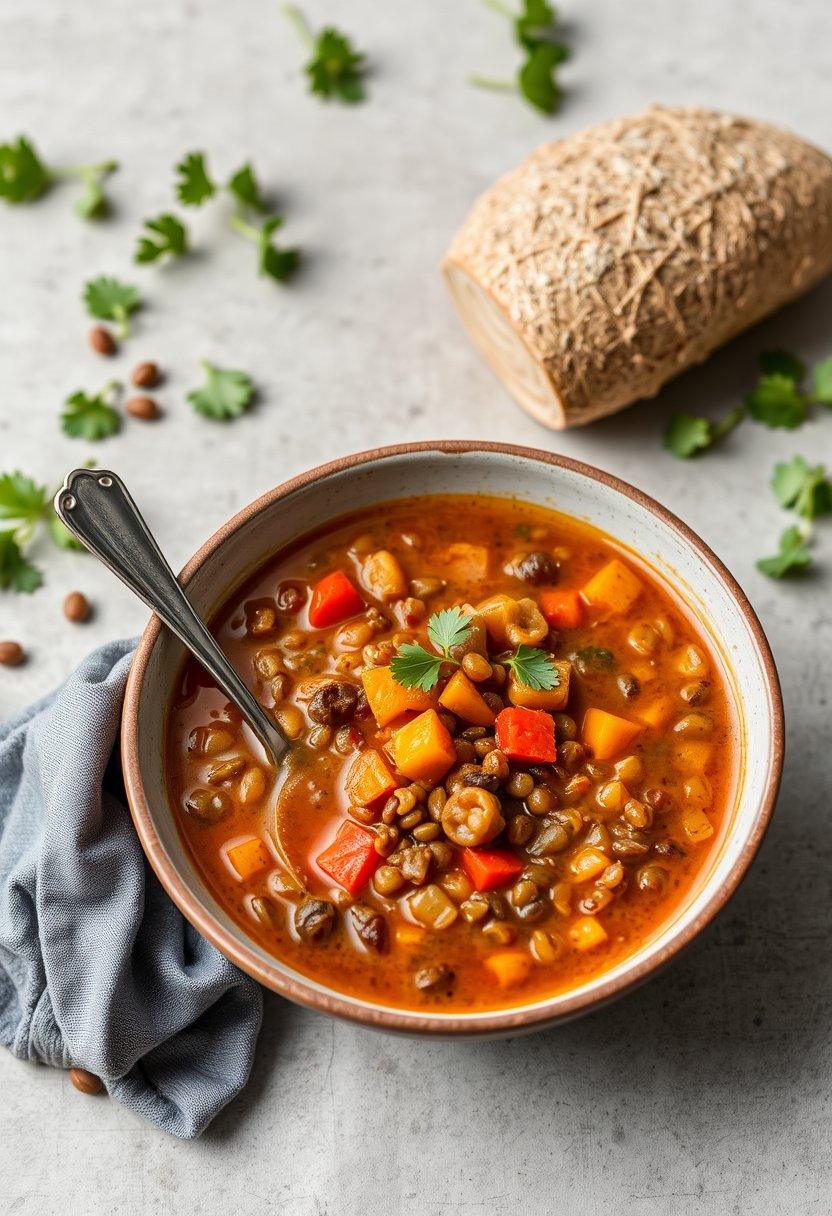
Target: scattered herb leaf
777, 401
16, 573
62, 537
111, 300
791, 558
822, 381
24, 177
279, 264
335, 68
246, 189
21, 499
536, 32
415, 667
534, 667
194, 185
225, 394
91, 416
782, 363
687, 434
805, 488
168, 235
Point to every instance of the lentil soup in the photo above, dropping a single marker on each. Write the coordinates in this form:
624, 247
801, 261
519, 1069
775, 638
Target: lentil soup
515, 752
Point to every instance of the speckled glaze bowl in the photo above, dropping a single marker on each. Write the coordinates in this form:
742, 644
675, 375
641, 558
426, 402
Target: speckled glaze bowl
234, 552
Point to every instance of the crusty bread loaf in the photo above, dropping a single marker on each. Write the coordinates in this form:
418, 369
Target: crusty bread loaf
611, 260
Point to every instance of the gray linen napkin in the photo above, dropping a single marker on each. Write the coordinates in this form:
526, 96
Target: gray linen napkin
98, 969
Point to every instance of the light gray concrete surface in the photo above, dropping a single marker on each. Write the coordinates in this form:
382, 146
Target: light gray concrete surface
710, 1090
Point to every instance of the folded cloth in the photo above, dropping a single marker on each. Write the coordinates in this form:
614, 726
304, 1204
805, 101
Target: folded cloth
98, 969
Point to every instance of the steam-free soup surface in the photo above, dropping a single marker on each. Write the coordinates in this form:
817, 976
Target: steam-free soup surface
521, 825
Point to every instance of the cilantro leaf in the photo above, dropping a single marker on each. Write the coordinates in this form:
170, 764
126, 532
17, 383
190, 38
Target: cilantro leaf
536, 24
279, 264
448, 628
194, 185
687, 434
822, 381
806, 489
782, 363
415, 667
111, 300
777, 401
92, 204
536, 78
246, 189
225, 394
535, 30
534, 667
90, 416
335, 68
23, 176
791, 558
21, 499
16, 573
62, 537
167, 236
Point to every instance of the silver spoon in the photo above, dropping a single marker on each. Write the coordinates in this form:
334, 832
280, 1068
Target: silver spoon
97, 508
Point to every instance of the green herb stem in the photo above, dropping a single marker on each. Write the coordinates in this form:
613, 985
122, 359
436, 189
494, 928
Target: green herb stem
244, 228
490, 82
296, 19
497, 7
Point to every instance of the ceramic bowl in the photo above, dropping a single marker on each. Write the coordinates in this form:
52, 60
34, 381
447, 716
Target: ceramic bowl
676, 554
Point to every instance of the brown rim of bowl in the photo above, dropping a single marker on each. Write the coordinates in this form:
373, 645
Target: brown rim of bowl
506, 1021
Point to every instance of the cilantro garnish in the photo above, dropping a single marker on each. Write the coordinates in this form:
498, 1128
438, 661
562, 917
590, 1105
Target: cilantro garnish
279, 264
807, 489
24, 506
225, 394
165, 235
792, 556
822, 382
414, 666
535, 30
194, 185
335, 68
90, 415
246, 189
24, 177
782, 363
111, 300
777, 401
687, 434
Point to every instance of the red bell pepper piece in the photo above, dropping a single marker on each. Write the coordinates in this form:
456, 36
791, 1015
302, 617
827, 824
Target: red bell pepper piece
527, 735
489, 868
563, 609
351, 859
333, 599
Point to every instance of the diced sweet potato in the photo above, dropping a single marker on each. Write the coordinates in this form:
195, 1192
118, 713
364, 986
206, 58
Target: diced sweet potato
691, 755
250, 857
424, 748
614, 589
369, 781
552, 699
461, 697
657, 712
697, 825
466, 563
509, 967
389, 700
562, 607
383, 576
606, 734
586, 933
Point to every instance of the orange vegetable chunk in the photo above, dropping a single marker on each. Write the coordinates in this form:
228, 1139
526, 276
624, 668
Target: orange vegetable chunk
351, 859
389, 700
250, 858
614, 589
333, 599
563, 609
424, 748
527, 735
509, 967
490, 868
586, 933
369, 781
462, 698
606, 734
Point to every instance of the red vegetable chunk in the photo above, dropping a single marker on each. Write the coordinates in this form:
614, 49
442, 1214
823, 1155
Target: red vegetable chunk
351, 859
489, 868
333, 599
527, 735
562, 608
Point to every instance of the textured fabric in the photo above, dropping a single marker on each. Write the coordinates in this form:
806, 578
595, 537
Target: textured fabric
98, 969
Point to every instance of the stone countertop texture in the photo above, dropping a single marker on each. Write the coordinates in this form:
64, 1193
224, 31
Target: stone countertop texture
710, 1089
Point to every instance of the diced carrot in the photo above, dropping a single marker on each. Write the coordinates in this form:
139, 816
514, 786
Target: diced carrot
351, 859
588, 863
424, 748
614, 589
527, 735
462, 698
697, 825
490, 868
606, 734
586, 933
509, 967
333, 599
250, 858
409, 935
383, 576
369, 781
691, 755
563, 608
657, 712
553, 699
389, 700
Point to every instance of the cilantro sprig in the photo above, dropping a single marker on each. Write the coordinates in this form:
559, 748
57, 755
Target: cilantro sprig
536, 32
414, 666
792, 556
687, 434
165, 236
91, 415
110, 299
225, 394
25, 507
804, 488
335, 68
24, 177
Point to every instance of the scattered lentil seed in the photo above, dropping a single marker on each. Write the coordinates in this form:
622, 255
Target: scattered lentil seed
12, 654
77, 607
102, 341
142, 407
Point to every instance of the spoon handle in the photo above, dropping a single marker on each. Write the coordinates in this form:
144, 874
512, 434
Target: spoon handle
97, 508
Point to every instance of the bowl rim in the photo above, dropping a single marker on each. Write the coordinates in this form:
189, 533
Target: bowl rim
501, 1021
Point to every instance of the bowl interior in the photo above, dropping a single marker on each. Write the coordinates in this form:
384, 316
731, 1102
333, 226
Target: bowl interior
675, 555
